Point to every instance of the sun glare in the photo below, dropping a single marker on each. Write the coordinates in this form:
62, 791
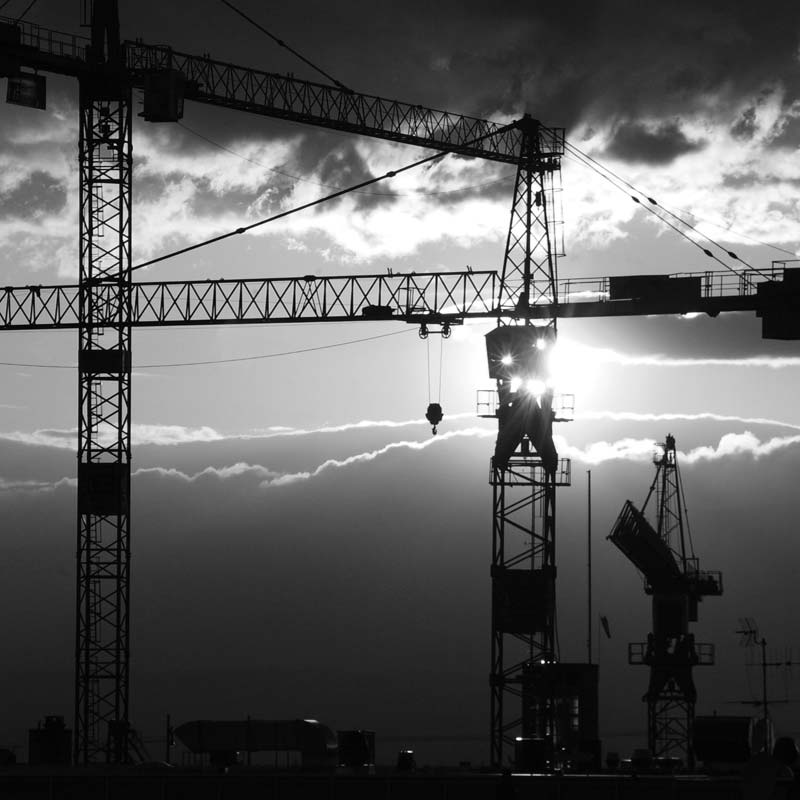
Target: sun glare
572, 370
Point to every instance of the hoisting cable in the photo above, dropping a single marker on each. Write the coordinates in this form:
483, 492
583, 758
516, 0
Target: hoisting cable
280, 42
428, 361
434, 414
655, 203
305, 206
625, 186
414, 193
23, 14
737, 233
441, 352
223, 360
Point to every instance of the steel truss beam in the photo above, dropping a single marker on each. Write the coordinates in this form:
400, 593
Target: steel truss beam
282, 96
421, 297
286, 97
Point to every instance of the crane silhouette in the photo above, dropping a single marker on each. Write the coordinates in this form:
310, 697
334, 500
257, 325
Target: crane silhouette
525, 296
665, 557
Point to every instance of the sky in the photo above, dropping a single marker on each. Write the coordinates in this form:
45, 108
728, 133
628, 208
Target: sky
302, 545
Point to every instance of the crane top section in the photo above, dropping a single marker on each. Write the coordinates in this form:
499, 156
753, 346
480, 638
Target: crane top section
664, 554
24, 46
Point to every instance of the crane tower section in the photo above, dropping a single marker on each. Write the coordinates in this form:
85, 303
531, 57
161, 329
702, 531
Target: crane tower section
665, 557
526, 469
104, 424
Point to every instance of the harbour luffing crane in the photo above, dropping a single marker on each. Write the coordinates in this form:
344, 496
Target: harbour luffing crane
664, 554
525, 298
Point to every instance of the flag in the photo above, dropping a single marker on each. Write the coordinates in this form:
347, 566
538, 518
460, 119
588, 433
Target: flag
606, 628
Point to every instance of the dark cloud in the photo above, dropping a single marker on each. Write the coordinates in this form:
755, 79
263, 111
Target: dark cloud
748, 180
788, 133
40, 193
745, 126
636, 142
567, 63
341, 167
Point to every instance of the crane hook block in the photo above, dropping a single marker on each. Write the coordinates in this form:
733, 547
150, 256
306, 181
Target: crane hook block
434, 415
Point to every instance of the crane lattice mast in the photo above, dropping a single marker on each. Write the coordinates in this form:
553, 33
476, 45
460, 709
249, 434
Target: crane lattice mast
665, 557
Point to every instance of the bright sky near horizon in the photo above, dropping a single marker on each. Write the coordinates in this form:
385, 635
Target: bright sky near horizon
262, 486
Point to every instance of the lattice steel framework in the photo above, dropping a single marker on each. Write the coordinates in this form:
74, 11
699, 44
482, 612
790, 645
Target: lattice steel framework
674, 580
530, 272
287, 97
523, 588
405, 297
104, 427
524, 482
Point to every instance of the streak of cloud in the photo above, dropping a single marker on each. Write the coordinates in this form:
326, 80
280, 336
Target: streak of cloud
360, 458
30, 486
270, 478
608, 356
237, 470
705, 416
170, 435
67, 439
630, 449
364, 424
730, 445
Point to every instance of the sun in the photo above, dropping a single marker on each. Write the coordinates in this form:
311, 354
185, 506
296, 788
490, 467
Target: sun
572, 370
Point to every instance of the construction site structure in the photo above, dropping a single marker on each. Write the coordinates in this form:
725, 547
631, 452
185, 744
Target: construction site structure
665, 556
525, 469
526, 299
108, 70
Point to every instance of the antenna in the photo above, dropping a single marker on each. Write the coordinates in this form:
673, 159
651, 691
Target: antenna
748, 631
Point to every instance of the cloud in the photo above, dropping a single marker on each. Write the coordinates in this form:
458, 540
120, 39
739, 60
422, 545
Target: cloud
629, 449
191, 196
732, 444
636, 85
169, 435
237, 470
30, 486
141, 434
360, 458
350, 426
625, 449
661, 143
272, 478
635, 416
37, 193
609, 356
172, 434
596, 62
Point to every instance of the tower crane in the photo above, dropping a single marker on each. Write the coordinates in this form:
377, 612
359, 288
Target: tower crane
665, 557
108, 70
525, 297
